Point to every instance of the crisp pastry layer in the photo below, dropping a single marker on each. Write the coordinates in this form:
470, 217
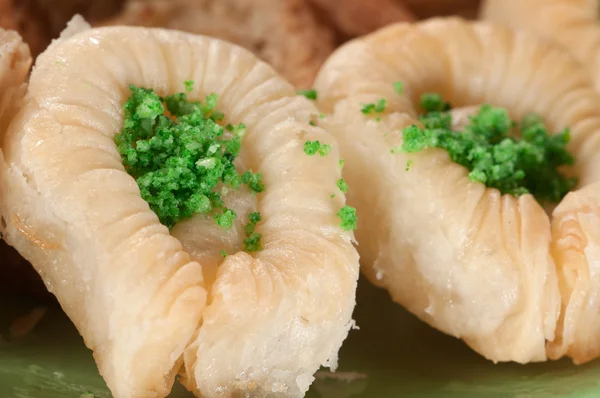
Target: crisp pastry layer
150, 302
496, 270
571, 24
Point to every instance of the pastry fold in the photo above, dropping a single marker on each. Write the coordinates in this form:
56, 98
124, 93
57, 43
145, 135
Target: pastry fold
495, 270
571, 24
150, 302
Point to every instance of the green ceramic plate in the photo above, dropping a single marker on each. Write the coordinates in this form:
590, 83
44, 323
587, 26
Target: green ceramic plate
392, 355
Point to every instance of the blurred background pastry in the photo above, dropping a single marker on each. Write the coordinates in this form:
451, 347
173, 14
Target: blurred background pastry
286, 34
39, 21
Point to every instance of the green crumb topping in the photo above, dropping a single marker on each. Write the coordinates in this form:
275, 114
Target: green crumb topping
377, 107
180, 156
223, 253
254, 181
311, 148
528, 163
399, 87
252, 242
312, 123
310, 94
189, 85
342, 185
332, 196
348, 216
225, 219
238, 130
436, 114
409, 164
253, 218
341, 163
433, 102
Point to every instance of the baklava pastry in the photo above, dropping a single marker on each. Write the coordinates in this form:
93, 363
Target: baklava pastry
572, 24
448, 220
158, 182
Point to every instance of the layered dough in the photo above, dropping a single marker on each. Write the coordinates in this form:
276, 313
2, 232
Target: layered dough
148, 302
495, 270
572, 24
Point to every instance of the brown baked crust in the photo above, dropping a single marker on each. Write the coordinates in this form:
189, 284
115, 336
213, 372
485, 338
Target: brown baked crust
430, 8
286, 34
14, 16
40, 21
359, 17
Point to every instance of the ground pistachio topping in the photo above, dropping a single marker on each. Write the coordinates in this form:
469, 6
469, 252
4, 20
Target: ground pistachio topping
348, 216
310, 94
252, 241
526, 163
377, 107
342, 185
180, 157
399, 87
311, 148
